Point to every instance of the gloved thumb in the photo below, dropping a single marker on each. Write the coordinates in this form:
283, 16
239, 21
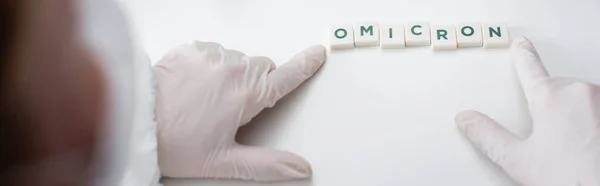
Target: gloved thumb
258, 164
489, 137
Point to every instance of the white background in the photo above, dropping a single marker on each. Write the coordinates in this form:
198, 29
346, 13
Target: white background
382, 117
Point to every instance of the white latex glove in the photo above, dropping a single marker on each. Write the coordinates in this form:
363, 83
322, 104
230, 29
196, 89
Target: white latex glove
564, 147
205, 93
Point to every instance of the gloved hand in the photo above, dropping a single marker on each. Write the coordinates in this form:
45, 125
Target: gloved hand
205, 93
564, 147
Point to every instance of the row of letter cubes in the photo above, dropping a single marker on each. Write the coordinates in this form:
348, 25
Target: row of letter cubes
419, 34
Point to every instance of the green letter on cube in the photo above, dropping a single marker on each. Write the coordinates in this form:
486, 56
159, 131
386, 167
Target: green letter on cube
413, 30
390, 32
363, 30
465, 33
336, 33
442, 33
497, 32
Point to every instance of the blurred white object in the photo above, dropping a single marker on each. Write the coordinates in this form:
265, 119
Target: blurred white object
205, 93
564, 147
128, 155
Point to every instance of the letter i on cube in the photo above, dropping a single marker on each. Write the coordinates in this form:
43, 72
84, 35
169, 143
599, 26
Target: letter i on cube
392, 36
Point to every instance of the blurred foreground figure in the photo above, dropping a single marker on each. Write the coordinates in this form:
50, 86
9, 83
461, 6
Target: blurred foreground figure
77, 102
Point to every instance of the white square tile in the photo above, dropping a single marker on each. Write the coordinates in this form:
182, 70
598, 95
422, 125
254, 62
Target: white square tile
366, 34
443, 38
469, 35
341, 37
417, 34
392, 36
495, 36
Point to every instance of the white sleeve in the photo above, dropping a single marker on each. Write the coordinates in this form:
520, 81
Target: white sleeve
142, 169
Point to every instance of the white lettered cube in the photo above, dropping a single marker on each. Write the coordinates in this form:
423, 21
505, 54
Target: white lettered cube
469, 35
417, 34
495, 36
443, 38
341, 37
366, 34
392, 36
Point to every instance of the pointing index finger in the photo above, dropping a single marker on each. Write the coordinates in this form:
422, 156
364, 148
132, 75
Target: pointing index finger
528, 65
290, 75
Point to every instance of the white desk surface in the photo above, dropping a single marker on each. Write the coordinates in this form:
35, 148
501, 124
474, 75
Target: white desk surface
373, 117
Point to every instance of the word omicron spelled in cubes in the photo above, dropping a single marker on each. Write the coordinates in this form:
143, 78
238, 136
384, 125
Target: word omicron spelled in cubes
390, 36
